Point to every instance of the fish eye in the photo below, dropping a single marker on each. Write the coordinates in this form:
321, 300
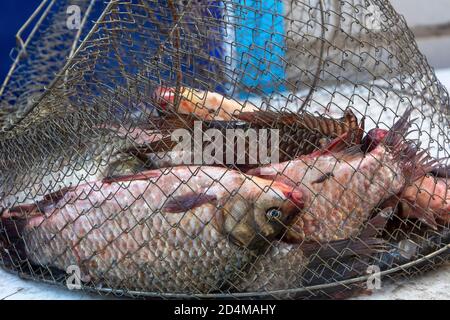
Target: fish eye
273, 213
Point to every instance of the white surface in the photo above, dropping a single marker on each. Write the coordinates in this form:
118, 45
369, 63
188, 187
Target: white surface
420, 12
433, 285
436, 50
427, 13
14, 288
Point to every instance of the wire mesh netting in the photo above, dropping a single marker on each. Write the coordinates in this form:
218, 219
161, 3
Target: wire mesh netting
164, 148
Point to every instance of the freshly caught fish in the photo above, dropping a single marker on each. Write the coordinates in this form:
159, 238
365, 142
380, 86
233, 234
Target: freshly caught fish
205, 105
186, 229
342, 185
298, 134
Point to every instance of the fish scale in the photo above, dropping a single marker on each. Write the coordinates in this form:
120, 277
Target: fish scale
343, 185
126, 237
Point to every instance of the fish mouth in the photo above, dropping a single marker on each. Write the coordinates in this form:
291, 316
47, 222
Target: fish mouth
256, 243
292, 193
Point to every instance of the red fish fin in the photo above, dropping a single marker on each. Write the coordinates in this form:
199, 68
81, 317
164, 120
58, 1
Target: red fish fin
187, 202
415, 163
145, 175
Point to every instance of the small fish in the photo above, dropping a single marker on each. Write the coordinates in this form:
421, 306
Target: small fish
205, 105
186, 229
342, 185
298, 134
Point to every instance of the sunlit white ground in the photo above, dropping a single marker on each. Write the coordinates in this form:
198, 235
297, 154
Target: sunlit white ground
433, 285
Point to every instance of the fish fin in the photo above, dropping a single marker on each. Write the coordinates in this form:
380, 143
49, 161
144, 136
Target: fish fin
179, 204
267, 118
362, 245
341, 260
56, 196
323, 178
409, 210
415, 163
145, 175
261, 117
350, 118
400, 129
344, 259
20, 211
358, 133
337, 145
429, 219
377, 224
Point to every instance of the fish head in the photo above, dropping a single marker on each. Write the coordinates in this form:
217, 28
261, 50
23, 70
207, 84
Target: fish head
260, 212
206, 105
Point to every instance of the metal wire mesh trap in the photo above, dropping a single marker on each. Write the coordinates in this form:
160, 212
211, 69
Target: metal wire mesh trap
264, 149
